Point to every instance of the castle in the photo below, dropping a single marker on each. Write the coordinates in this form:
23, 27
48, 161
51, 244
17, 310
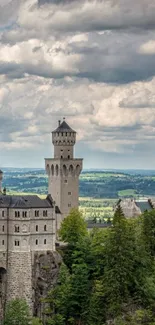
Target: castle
28, 224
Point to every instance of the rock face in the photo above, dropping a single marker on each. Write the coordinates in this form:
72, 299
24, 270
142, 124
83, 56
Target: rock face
45, 273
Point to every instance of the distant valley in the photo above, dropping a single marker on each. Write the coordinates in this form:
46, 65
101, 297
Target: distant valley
99, 189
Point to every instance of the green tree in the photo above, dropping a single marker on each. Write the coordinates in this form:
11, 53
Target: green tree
73, 227
119, 262
36, 321
58, 299
97, 313
148, 230
80, 293
17, 313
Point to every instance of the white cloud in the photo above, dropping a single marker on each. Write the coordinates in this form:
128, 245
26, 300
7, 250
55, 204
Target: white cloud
148, 47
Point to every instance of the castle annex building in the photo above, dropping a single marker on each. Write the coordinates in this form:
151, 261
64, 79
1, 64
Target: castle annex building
28, 224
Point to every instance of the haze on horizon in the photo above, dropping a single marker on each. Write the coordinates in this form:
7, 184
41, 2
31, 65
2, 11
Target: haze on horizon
90, 61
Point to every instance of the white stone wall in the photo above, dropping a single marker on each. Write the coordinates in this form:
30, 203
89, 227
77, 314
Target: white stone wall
18, 260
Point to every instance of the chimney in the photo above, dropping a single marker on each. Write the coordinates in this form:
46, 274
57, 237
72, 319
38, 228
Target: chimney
59, 122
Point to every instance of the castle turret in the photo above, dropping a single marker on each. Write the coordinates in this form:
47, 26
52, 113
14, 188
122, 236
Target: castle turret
64, 170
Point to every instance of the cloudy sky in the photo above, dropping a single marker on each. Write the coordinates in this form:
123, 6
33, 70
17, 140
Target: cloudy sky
90, 61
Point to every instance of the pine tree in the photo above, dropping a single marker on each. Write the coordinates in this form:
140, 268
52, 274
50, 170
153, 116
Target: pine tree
119, 262
73, 228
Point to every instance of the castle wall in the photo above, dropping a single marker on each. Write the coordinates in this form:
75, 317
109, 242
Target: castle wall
19, 276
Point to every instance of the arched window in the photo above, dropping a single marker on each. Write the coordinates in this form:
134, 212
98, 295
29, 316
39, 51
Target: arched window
36, 227
16, 228
71, 170
78, 170
45, 228
56, 170
48, 169
64, 168
52, 170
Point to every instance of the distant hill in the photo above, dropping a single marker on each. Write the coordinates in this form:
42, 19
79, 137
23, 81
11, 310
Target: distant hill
109, 183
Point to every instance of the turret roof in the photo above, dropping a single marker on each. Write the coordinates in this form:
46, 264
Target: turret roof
64, 127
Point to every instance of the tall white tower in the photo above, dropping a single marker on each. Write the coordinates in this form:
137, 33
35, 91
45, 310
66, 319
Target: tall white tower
63, 170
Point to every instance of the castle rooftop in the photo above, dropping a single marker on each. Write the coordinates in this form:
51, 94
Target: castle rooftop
64, 127
25, 201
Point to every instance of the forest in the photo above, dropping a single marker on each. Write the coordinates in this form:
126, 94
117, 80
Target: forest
107, 276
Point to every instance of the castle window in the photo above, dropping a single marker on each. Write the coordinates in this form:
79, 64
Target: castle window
45, 228
36, 227
16, 242
62, 134
66, 134
3, 215
36, 241
17, 214
65, 181
3, 242
68, 156
3, 228
61, 157
69, 205
16, 228
24, 214
44, 241
69, 193
45, 213
36, 213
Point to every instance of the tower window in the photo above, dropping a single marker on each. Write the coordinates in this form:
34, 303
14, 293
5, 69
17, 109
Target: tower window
61, 157
44, 241
45, 228
36, 227
3, 228
36, 213
69, 205
16, 228
16, 242
66, 134
68, 156
45, 213
65, 181
17, 214
69, 193
36, 241
3, 242
62, 134
24, 214
3, 215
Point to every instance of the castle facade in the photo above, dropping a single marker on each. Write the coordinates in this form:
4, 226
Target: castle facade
28, 224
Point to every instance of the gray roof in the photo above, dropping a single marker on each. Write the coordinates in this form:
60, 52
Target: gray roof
25, 201
64, 127
144, 205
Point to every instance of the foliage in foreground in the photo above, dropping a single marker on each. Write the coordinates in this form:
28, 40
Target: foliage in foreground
108, 276
109, 273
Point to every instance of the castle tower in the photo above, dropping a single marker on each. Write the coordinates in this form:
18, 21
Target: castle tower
63, 170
